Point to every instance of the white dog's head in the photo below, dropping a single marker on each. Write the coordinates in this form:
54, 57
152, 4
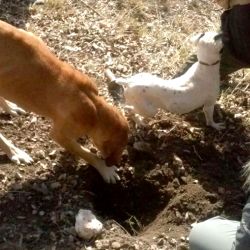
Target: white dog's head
209, 46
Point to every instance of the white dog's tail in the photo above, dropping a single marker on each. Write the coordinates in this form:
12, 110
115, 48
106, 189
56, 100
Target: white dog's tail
246, 175
121, 81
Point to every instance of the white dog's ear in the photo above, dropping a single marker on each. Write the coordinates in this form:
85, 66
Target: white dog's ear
195, 39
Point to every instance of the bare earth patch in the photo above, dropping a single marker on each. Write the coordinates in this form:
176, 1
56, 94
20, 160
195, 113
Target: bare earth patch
174, 172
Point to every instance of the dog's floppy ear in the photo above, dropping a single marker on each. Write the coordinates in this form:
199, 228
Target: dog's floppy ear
195, 39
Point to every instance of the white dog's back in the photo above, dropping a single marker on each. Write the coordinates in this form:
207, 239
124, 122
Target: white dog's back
180, 95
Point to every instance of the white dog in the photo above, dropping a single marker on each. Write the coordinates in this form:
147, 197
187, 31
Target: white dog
198, 87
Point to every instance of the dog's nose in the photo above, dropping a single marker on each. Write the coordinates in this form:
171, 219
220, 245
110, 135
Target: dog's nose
218, 37
113, 159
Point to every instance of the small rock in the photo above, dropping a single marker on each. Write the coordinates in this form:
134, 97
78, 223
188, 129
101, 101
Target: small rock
142, 146
98, 244
18, 176
39, 2
52, 154
40, 154
173, 242
87, 225
93, 150
55, 185
41, 213
182, 246
183, 239
237, 116
116, 245
161, 242
176, 183
184, 179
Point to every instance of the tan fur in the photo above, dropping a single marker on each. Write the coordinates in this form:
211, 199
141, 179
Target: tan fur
35, 79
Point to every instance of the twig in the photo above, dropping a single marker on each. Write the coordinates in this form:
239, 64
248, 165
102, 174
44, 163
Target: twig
119, 225
91, 9
195, 151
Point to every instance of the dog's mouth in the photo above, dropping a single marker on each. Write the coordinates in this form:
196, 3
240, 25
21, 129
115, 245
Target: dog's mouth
110, 161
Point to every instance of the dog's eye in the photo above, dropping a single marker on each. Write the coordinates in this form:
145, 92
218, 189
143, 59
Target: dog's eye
221, 50
218, 37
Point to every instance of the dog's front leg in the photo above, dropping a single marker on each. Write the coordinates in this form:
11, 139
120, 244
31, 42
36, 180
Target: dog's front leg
108, 173
138, 120
209, 113
10, 107
15, 154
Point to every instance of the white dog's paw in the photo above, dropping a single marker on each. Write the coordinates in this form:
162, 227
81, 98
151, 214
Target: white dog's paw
18, 156
109, 174
218, 126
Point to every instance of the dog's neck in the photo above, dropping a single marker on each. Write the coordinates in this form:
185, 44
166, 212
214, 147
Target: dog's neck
209, 64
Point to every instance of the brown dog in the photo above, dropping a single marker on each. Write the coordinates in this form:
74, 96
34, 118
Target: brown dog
36, 80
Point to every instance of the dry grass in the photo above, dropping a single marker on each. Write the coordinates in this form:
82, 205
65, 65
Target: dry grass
131, 35
55, 4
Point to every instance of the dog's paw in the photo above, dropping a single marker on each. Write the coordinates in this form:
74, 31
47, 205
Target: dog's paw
218, 126
13, 109
109, 174
18, 156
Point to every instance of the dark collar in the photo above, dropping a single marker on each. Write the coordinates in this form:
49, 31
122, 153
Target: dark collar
207, 64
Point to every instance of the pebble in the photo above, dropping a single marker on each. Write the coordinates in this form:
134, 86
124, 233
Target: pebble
182, 246
55, 185
161, 242
41, 213
18, 176
116, 245
173, 242
39, 2
183, 238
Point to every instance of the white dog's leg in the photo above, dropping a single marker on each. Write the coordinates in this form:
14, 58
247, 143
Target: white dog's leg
135, 117
15, 154
10, 107
209, 112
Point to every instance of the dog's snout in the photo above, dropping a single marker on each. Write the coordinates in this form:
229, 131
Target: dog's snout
111, 160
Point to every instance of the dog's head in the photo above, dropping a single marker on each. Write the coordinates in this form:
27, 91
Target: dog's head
209, 46
113, 147
111, 134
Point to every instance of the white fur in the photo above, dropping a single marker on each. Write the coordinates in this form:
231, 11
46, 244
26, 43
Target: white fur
10, 107
198, 87
15, 154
